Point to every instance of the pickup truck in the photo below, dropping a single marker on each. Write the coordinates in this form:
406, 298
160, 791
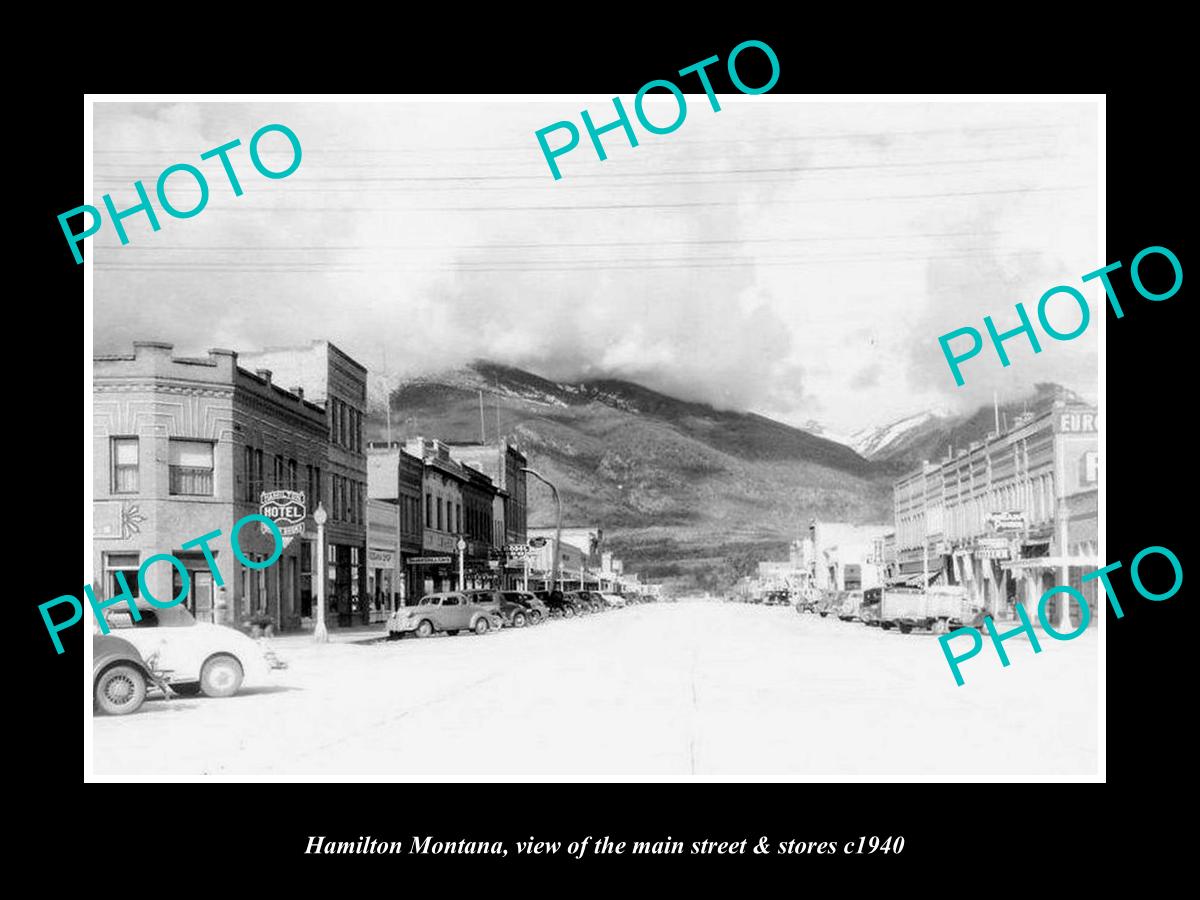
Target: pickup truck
939, 609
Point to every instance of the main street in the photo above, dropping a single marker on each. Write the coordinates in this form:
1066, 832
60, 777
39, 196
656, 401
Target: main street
669, 689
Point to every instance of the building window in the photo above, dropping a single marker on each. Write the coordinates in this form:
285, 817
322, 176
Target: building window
277, 477
125, 465
429, 510
458, 518
248, 473
439, 514
293, 474
337, 497
308, 487
318, 488
127, 565
191, 468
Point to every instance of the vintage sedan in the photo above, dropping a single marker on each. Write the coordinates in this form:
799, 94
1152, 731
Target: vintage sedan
120, 677
215, 658
512, 613
448, 611
535, 610
616, 601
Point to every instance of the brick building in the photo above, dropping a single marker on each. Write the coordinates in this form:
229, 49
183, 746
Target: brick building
502, 462
338, 385
442, 486
1011, 516
186, 446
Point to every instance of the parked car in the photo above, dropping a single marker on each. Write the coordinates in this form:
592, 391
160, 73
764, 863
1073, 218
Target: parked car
557, 604
512, 613
536, 611
806, 602
120, 677
215, 658
582, 600
599, 604
849, 606
616, 601
448, 611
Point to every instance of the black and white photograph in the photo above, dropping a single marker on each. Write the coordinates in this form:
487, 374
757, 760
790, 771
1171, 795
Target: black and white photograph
424, 427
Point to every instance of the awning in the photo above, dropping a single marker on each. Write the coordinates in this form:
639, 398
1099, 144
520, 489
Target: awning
914, 580
1051, 562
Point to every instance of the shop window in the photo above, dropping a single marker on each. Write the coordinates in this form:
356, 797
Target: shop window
125, 465
191, 468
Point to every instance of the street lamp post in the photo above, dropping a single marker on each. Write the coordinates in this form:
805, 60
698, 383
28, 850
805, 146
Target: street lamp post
557, 527
461, 546
320, 633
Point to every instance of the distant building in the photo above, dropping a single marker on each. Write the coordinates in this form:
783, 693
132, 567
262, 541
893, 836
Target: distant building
589, 540
502, 462
843, 555
338, 384
186, 446
1011, 516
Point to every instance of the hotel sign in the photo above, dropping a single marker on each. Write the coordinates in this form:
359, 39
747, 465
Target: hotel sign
286, 509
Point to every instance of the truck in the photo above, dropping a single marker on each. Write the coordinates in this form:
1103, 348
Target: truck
939, 609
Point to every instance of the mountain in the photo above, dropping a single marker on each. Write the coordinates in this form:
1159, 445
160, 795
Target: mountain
903, 444
679, 487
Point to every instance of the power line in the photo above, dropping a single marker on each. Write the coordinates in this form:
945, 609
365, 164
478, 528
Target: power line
571, 245
704, 172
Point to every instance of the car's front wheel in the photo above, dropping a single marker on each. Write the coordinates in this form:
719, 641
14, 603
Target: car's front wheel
120, 690
221, 676
424, 628
519, 620
482, 625
569, 612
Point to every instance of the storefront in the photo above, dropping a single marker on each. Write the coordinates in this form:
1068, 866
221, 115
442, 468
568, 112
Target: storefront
382, 591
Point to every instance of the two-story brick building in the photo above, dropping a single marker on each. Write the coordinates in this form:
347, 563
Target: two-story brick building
186, 446
1008, 517
338, 385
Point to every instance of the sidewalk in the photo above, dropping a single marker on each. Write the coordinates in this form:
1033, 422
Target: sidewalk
347, 635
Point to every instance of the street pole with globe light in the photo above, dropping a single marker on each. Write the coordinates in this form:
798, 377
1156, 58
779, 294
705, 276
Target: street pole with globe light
320, 633
557, 528
461, 547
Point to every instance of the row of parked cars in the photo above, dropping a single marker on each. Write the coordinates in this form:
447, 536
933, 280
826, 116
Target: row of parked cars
483, 610
939, 609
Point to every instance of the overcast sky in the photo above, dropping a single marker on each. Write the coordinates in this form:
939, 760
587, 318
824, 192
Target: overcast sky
795, 259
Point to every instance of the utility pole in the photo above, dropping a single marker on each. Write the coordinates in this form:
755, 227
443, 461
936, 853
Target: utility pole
558, 526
